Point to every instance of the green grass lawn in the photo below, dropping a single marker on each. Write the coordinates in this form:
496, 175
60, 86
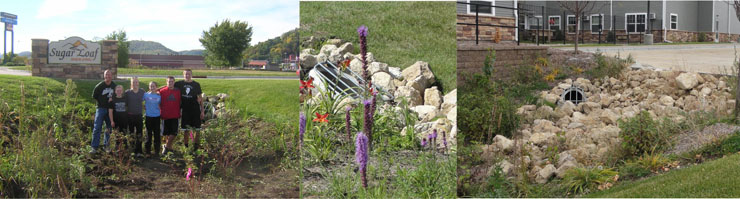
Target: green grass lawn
270, 100
717, 178
400, 33
178, 73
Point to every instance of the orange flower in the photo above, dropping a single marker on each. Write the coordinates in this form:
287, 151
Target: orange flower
321, 118
307, 84
345, 64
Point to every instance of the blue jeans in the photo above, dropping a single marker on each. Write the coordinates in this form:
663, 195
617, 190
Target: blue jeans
101, 115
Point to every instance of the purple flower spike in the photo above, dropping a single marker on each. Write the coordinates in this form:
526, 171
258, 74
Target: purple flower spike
346, 122
362, 31
423, 142
368, 122
361, 151
302, 127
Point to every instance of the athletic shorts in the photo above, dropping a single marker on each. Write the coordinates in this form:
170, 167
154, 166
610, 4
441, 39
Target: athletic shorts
170, 127
190, 119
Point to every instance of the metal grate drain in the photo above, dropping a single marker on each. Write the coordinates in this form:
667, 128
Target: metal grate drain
573, 94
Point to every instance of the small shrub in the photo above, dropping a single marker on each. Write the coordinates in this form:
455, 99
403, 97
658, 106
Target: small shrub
558, 35
641, 134
611, 36
608, 66
498, 184
489, 63
495, 114
583, 180
702, 37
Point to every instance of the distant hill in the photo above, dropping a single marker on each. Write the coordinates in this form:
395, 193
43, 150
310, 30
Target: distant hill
191, 52
149, 47
25, 54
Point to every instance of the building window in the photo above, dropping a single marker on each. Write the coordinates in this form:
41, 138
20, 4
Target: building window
674, 21
484, 7
635, 22
572, 22
535, 22
555, 25
597, 23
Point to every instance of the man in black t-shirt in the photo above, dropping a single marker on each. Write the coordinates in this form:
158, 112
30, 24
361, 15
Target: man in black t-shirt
191, 106
102, 93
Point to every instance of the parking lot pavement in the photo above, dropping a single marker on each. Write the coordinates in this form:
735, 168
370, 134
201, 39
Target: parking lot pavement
704, 58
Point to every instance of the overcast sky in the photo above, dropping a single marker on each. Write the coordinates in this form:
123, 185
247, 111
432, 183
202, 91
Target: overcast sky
175, 24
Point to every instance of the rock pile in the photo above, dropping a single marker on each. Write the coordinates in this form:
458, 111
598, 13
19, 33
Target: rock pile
585, 134
215, 106
413, 84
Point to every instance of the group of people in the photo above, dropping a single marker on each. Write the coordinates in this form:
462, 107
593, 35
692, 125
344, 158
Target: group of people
167, 110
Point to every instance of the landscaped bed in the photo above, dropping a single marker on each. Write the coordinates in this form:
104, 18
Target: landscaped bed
45, 130
529, 142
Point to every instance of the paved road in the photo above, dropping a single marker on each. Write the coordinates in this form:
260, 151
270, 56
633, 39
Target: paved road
705, 58
7, 71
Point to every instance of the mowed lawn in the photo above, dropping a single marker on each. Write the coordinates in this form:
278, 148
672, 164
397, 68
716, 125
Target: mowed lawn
206, 72
400, 33
714, 179
270, 100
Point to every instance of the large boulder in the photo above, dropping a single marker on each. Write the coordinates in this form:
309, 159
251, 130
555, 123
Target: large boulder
376, 67
419, 72
308, 60
384, 81
433, 97
545, 173
410, 94
565, 167
566, 109
609, 117
687, 80
426, 112
505, 166
503, 144
344, 48
327, 49
395, 72
667, 100
449, 101
356, 66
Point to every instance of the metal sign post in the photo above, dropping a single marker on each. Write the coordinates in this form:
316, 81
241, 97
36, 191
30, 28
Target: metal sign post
9, 20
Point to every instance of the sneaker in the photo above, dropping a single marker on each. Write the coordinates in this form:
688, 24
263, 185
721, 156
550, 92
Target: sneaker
107, 149
93, 151
139, 155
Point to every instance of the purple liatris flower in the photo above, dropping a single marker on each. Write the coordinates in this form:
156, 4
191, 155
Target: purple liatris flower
361, 150
362, 31
423, 142
368, 122
302, 127
346, 121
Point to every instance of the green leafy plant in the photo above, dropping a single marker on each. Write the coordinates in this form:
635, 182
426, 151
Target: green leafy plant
641, 134
583, 180
489, 63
